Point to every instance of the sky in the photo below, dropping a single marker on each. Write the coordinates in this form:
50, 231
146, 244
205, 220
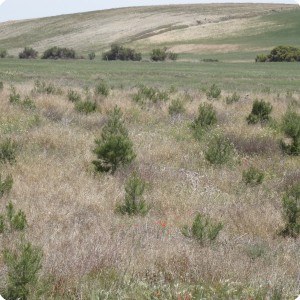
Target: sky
27, 9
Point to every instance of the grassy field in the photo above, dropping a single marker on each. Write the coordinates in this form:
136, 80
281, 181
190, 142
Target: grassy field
89, 250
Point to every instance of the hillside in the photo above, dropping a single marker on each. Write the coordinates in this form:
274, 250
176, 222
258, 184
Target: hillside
189, 29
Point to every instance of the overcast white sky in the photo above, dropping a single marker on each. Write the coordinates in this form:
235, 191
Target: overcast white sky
24, 9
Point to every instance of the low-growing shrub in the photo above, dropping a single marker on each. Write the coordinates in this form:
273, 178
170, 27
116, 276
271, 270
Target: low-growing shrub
5, 185
27, 103
102, 88
150, 94
1, 86
210, 60
253, 176
42, 87
219, 150
172, 56
59, 53
3, 53
158, 54
73, 96
176, 107
86, 106
113, 148
14, 97
134, 202
260, 112
8, 151
213, 92
233, 98
291, 128
28, 53
203, 229
291, 211
118, 52
261, 58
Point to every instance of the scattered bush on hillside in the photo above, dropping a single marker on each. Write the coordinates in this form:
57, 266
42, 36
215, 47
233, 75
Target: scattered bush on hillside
59, 53
291, 128
150, 94
260, 112
28, 53
280, 53
114, 148
162, 54
118, 52
207, 117
233, 98
176, 107
291, 211
3, 53
8, 151
102, 88
14, 97
253, 176
86, 106
92, 55
219, 151
5, 185
214, 92
42, 87
134, 202
203, 229
73, 96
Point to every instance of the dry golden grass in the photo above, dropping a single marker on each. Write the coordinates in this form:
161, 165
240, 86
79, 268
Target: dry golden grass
70, 209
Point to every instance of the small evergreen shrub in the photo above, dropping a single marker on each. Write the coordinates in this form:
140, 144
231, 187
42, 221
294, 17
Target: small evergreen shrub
291, 128
261, 58
291, 211
118, 52
14, 97
42, 87
5, 185
214, 92
159, 54
253, 176
28, 53
260, 112
92, 55
8, 151
233, 98
219, 151
27, 103
114, 148
172, 56
176, 107
23, 265
203, 229
150, 94
59, 53
102, 88
86, 106
134, 202
3, 53
73, 96
207, 117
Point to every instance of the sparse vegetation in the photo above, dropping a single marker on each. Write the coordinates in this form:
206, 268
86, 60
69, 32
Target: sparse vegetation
260, 112
214, 92
92, 55
150, 95
73, 96
7, 151
3, 53
233, 98
28, 53
102, 88
86, 106
253, 176
176, 107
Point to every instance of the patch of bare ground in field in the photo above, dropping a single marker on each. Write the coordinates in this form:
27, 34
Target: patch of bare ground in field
70, 209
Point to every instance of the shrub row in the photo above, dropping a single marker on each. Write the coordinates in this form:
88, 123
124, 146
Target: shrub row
280, 53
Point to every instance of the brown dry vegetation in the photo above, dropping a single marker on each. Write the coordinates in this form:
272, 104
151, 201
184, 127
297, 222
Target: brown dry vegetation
70, 209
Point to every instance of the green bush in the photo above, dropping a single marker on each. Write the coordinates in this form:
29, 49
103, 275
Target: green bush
219, 151
207, 117
291, 211
114, 148
23, 265
150, 94
3, 53
280, 53
73, 96
214, 92
233, 98
134, 202
59, 53
176, 107
102, 88
8, 151
42, 87
261, 58
158, 54
14, 97
260, 112
1, 86
5, 185
118, 52
253, 176
203, 229
28, 53
172, 56
86, 106
27, 103
92, 55
291, 128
